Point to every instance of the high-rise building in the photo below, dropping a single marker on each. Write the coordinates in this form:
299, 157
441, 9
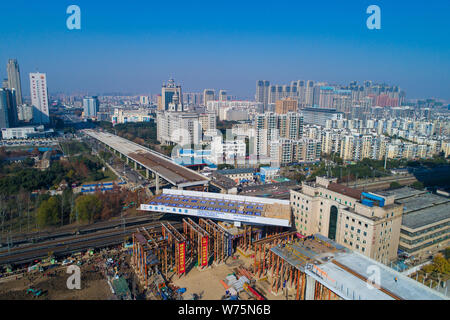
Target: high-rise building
10, 107
286, 105
208, 95
326, 94
90, 106
14, 79
39, 98
262, 92
319, 116
169, 93
181, 128
144, 100
222, 95
4, 108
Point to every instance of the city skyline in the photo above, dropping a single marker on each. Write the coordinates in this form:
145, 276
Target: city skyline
134, 49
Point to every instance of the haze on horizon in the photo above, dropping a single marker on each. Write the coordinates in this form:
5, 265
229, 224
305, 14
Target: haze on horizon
135, 47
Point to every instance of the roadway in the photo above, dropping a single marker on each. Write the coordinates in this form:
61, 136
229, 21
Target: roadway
152, 161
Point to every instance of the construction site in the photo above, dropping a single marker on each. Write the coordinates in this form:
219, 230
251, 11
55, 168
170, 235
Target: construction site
232, 259
218, 247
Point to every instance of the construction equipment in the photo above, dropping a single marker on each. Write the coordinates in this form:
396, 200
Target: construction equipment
35, 292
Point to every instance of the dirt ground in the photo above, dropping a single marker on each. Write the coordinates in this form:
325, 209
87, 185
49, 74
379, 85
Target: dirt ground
207, 286
93, 286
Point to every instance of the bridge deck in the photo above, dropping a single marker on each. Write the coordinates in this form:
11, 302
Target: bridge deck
152, 160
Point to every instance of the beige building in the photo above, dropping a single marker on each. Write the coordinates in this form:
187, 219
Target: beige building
425, 227
286, 105
370, 226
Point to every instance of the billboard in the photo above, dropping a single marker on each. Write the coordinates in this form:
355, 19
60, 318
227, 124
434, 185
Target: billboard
182, 257
204, 255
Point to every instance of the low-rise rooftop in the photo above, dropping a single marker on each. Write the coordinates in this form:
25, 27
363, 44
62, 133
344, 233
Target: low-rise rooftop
346, 272
427, 216
265, 211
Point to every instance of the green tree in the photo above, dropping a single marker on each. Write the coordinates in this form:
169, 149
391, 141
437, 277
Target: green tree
441, 264
417, 185
224, 166
395, 185
88, 207
48, 212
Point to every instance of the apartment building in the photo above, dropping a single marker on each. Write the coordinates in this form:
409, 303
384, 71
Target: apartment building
181, 128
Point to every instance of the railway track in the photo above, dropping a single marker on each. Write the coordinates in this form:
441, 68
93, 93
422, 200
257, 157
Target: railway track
43, 236
73, 244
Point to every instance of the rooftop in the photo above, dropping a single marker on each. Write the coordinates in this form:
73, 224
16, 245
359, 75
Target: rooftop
236, 171
222, 181
421, 201
350, 192
427, 216
346, 272
221, 206
420, 208
401, 192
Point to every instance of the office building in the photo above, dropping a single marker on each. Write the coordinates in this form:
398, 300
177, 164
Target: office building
262, 92
39, 98
4, 108
126, 116
182, 128
367, 223
14, 79
9, 115
425, 227
26, 132
90, 107
170, 93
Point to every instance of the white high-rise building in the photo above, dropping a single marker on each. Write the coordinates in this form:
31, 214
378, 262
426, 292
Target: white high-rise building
39, 97
90, 106
14, 79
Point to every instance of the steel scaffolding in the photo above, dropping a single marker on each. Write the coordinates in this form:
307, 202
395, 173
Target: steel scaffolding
197, 235
176, 242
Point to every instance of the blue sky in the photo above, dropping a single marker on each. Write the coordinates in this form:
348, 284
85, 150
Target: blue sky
133, 46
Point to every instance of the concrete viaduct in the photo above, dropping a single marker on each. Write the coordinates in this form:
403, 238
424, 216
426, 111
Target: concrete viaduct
156, 165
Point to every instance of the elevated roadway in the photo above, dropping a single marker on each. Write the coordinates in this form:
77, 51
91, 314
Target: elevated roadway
155, 164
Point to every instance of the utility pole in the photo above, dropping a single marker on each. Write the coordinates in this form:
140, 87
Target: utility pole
62, 209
